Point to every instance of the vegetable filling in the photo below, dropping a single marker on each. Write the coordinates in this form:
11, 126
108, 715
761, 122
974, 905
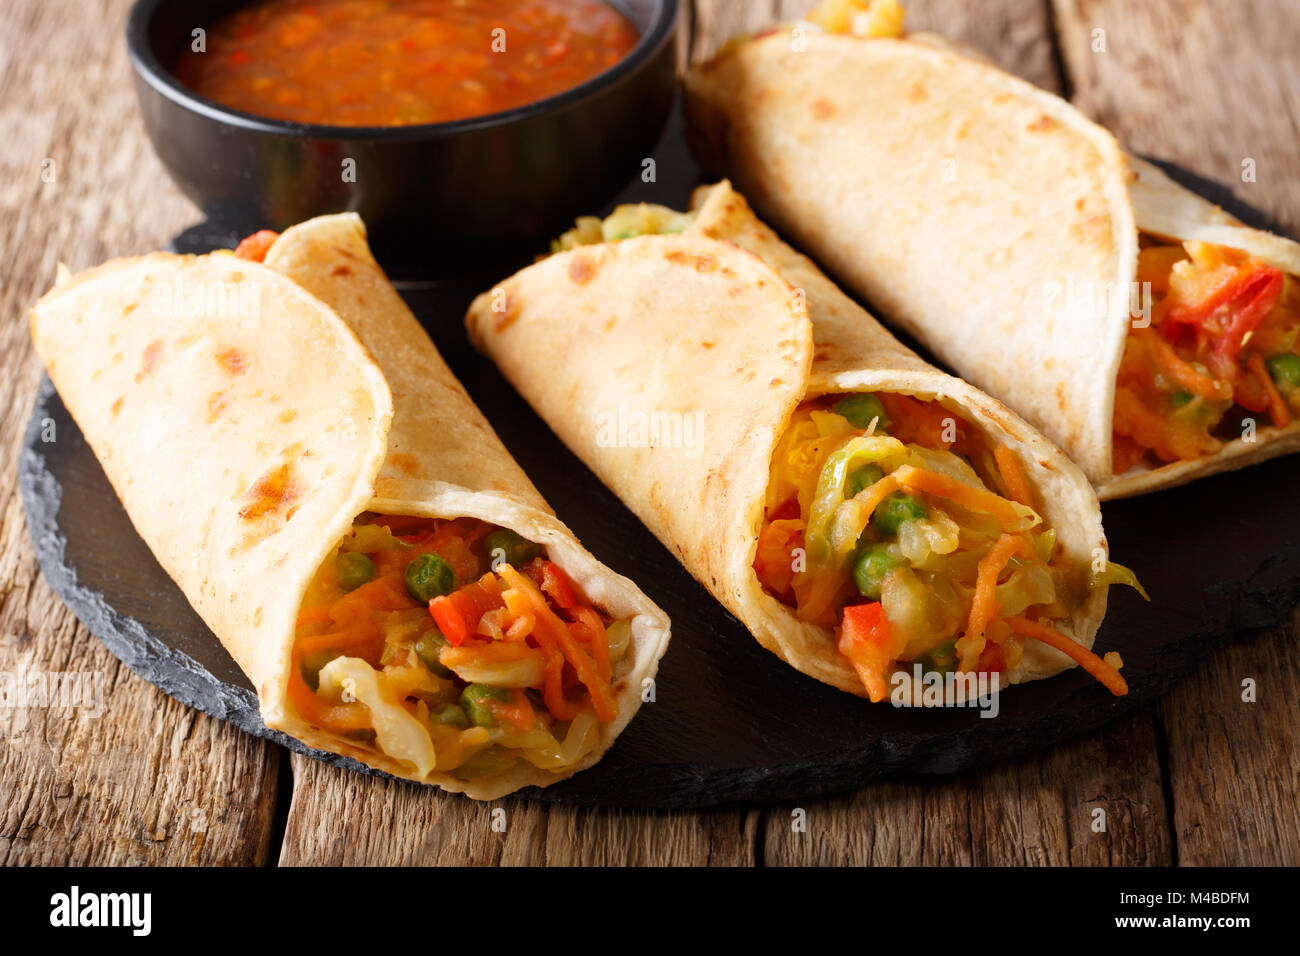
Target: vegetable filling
894, 522
1221, 349
453, 645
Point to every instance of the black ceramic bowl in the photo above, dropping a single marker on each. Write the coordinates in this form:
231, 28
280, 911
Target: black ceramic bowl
436, 196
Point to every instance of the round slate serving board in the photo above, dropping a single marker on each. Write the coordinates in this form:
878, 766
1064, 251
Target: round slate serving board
730, 722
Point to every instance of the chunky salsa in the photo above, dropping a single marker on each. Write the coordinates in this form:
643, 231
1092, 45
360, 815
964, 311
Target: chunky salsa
455, 646
1222, 347
402, 62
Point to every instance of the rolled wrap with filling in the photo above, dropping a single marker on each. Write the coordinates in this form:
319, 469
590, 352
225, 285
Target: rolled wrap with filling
869, 518
290, 445
1153, 337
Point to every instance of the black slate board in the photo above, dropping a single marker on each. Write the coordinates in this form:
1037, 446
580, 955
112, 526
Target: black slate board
730, 723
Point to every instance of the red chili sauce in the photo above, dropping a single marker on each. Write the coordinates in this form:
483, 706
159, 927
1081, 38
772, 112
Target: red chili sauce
401, 62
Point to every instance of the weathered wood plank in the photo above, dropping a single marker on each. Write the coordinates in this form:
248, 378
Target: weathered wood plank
147, 780
1234, 766
342, 818
1210, 85
1041, 810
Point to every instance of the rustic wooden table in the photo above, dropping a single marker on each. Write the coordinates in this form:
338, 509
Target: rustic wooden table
1198, 778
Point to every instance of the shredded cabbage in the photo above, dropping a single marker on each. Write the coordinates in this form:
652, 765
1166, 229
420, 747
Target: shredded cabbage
397, 731
1118, 574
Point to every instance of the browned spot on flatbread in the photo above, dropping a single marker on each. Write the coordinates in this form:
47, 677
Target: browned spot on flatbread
1060, 395
149, 359
233, 360
581, 268
343, 270
217, 403
918, 93
405, 462
1042, 124
288, 415
117, 407
273, 491
823, 109
699, 262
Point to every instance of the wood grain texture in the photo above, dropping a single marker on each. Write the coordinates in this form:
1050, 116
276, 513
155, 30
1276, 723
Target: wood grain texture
148, 780
342, 818
1038, 811
1234, 766
1208, 84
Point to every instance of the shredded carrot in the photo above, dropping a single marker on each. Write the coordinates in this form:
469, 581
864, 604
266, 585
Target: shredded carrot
1190, 378
1170, 439
338, 718
310, 616
588, 627
984, 607
602, 699
1013, 475
774, 556
1090, 662
518, 603
945, 486
362, 633
384, 593
1276, 406
518, 711
871, 496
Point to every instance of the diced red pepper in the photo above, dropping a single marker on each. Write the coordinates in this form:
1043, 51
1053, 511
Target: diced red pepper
1232, 310
553, 582
255, 247
869, 642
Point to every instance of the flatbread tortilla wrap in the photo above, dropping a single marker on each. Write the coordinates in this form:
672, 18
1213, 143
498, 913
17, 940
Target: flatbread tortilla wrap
865, 515
304, 465
1152, 336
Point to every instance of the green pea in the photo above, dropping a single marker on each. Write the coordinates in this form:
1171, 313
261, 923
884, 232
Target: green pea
428, 577
860, 409
427, 649
453, 715
870, 568
862, 478
474, 698
1284, 368
355, 569
312, 664
1180, 398
894, 510
510, 548
942, 658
